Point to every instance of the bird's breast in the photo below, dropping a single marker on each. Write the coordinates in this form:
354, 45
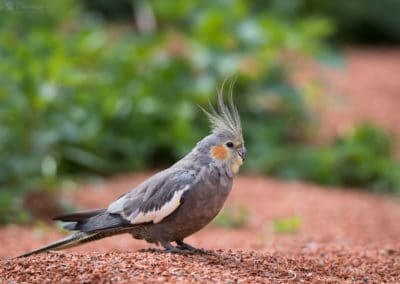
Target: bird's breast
210, 193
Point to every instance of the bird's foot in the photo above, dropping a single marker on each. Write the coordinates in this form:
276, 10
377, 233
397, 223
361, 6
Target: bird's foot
178, 250
186, 247
181, 248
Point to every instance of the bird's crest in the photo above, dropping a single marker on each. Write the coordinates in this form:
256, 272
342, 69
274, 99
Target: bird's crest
227, 118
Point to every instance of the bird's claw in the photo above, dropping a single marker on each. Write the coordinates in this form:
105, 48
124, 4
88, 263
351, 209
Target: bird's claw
186, 247
177, 250
180, 248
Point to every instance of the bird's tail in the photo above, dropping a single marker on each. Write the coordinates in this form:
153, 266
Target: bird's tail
68, 242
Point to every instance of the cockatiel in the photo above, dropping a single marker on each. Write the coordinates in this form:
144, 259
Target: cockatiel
176, 202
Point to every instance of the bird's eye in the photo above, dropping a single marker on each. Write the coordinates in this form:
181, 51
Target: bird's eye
229, 144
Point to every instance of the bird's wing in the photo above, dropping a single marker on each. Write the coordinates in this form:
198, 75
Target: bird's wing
156, 198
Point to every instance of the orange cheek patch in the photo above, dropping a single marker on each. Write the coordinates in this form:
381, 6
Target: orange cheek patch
219, 152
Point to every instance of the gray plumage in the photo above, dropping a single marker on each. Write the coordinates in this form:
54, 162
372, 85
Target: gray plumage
176, 202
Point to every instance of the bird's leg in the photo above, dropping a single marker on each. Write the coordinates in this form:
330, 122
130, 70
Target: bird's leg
184, 246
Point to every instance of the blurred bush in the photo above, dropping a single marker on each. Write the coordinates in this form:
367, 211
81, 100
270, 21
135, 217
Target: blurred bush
357, 21
78, 96
363, 157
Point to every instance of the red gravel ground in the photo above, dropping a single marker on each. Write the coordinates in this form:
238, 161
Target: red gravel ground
344, 235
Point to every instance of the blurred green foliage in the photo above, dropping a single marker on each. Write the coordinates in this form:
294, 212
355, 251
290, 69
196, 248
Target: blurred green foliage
79, 96
289, 225
364, 157
232, 217
356, 21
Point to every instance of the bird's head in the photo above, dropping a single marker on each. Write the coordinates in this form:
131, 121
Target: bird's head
226, 144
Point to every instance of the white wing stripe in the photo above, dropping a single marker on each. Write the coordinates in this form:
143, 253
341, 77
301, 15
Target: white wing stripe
157, 216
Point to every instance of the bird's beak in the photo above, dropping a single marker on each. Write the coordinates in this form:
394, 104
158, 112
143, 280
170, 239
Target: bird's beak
242, 153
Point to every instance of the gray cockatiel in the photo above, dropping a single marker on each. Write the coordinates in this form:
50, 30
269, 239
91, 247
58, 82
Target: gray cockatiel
176, 202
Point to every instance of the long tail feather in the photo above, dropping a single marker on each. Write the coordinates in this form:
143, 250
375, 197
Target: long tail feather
79, 216
68, 242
